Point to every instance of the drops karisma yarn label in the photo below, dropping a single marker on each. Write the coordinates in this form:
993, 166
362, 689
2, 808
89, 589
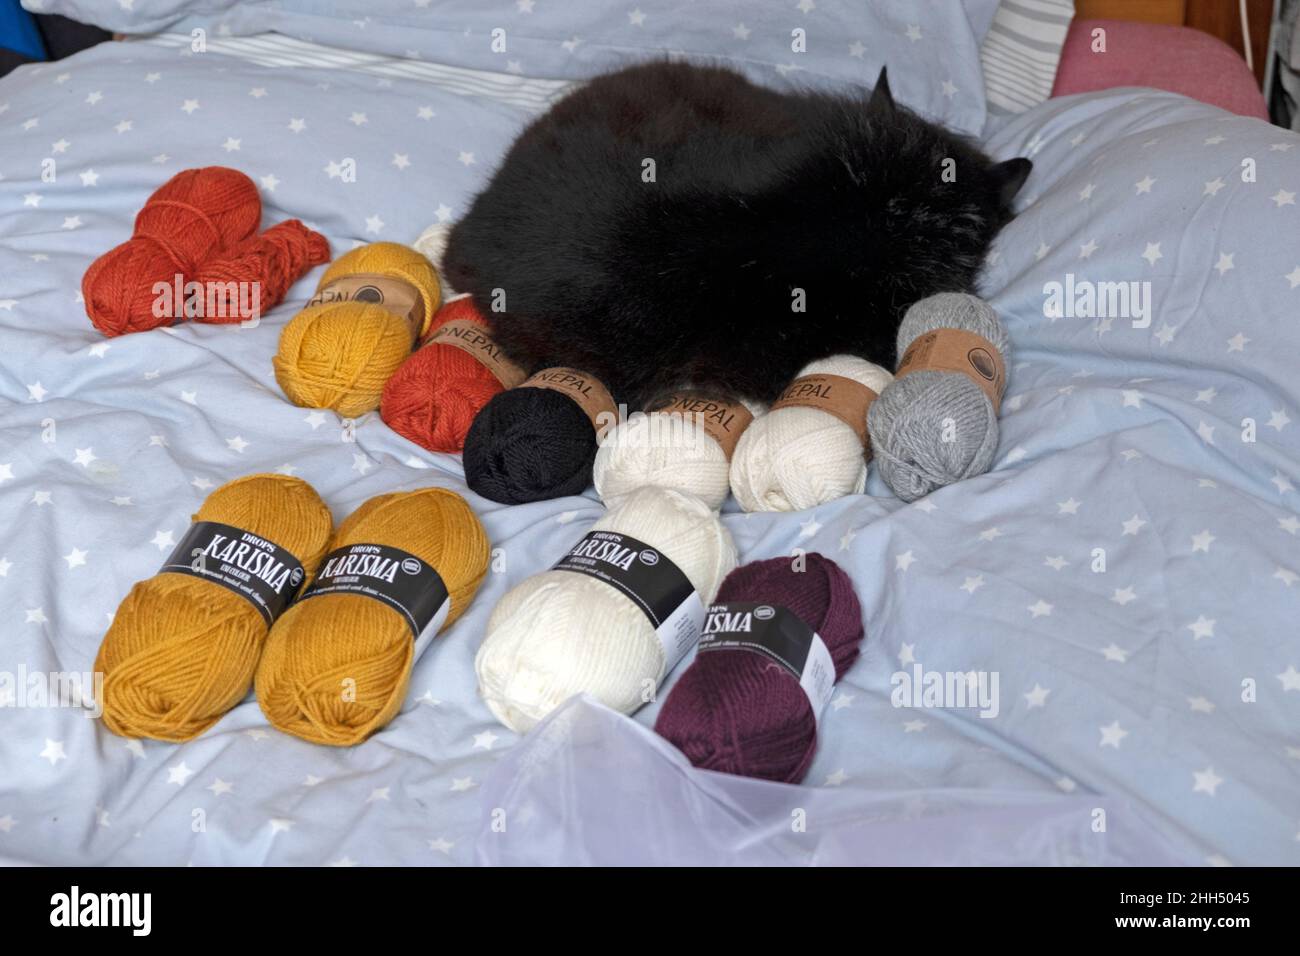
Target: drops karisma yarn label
839, 395
958, 350
260, 571
473, 338
396, 295
657, 586
721, 420
777, 633
390, 575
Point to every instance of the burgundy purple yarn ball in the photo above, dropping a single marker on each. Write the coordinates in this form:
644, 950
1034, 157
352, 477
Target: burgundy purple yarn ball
739, 712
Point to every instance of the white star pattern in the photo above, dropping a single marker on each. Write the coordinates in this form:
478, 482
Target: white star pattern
1112, 735
53, 751
1133, 525
1206, 781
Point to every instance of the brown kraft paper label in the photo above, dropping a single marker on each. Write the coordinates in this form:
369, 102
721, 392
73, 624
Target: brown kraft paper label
469, 336
589, 392
724, 422
956, 350
396, 295
842, 397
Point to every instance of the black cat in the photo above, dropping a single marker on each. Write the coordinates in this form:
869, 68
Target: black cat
663, 225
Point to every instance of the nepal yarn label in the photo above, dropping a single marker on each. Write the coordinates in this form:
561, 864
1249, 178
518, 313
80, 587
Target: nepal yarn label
779, 634
839, 395
396, 295
260, 571
646, 575
958, 350
588, 391
473, 338
722, 421
390, 575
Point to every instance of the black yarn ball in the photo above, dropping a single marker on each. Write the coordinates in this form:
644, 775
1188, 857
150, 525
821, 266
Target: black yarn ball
529, 444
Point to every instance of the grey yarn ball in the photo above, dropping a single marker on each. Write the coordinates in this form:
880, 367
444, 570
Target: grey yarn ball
910, 420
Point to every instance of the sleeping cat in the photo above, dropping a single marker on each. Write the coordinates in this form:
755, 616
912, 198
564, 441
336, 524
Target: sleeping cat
664, 224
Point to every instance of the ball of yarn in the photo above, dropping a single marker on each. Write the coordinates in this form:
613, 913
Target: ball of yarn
667, 451
181, 651
931, 428
560, 633
796, 458
433, 243
529, 444
434, 395
736, 711
339, 355
194, 214
325, 645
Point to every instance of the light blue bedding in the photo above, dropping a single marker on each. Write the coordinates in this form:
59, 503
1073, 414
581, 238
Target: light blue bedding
1168, 685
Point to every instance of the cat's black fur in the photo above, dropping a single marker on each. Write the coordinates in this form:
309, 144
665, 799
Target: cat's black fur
756, 193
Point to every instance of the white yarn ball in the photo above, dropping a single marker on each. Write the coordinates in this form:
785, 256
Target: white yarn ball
433, 244
561, 633
666, 451
796, 458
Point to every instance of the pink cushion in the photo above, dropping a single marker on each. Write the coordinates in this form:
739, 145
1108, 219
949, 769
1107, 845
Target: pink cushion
1178, 59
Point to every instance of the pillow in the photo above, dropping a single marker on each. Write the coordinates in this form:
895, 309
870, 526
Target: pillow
931, 49
1020, 54
128, 16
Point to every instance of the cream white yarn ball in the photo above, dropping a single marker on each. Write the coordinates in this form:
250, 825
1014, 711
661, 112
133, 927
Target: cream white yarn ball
433, 243
667, 451
796, 458
561, 633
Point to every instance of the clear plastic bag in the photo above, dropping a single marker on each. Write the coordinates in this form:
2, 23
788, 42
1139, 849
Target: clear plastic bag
590, 787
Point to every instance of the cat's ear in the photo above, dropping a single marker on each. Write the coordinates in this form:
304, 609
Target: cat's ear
1008, 177
881, 98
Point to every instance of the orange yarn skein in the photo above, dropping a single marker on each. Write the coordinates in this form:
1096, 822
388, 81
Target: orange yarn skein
275, 260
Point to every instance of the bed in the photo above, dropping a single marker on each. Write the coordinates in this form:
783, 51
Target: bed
1129, 568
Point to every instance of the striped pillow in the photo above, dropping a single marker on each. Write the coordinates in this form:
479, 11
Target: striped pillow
1020, 53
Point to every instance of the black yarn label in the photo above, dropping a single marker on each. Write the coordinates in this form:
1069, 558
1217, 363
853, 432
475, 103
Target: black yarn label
645, 575
778, 634
395, 577
260, 571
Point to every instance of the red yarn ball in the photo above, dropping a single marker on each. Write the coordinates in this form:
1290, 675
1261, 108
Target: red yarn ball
194, 214
200, 225
739, 712
434, 395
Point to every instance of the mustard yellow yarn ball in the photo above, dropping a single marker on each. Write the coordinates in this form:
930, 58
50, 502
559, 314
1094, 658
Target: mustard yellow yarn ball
182, 651
340, 354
